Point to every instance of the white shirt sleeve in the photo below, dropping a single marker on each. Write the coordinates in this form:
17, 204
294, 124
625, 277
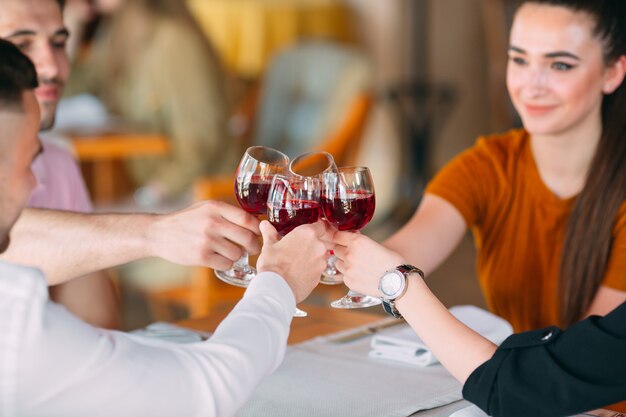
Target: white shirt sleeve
64, 367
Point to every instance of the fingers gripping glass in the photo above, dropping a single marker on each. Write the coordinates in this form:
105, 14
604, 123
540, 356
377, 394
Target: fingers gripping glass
254, 176
314, 165
348, 202
293, 201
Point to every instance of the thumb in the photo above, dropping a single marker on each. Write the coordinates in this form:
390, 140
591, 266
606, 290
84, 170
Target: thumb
270, 235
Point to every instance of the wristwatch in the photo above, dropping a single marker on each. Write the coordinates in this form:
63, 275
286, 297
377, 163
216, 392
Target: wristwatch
393, 285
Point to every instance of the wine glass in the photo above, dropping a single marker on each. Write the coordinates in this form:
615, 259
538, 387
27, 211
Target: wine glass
314, 164
348, 202
293, 201
254, 176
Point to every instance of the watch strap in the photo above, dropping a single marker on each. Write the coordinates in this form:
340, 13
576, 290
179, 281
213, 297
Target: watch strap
409, 269
390, 308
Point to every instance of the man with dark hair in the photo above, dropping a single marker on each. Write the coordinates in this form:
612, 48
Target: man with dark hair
56, 365
23, 77
19, 118
36, 27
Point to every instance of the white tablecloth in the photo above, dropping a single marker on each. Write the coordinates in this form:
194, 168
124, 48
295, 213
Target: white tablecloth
323, 378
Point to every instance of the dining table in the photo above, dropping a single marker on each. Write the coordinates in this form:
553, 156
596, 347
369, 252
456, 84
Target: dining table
324, 348
327, 371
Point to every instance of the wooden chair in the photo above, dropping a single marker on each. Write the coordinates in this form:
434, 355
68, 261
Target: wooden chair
342, 139
102, 154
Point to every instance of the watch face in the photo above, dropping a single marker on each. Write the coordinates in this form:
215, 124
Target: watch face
391, 284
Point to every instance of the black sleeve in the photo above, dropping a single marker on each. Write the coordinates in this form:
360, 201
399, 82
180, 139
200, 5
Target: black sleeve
550, 372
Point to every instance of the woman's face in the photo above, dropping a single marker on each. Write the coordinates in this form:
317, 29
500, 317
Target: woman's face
556, 75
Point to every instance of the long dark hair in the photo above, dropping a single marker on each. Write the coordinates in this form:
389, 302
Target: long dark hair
589, 234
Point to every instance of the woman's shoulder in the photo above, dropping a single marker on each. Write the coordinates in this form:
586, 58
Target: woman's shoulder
497, 151
511, 142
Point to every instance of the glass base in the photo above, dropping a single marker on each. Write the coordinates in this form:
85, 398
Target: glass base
237, 276
355, 300
300, 313
331, 280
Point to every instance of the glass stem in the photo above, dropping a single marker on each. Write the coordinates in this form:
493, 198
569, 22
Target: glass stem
242, 263
330, 263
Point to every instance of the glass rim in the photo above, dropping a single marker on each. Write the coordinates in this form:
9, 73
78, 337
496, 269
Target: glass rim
252, 150
284, 179
329, 157
354, 168
288, 175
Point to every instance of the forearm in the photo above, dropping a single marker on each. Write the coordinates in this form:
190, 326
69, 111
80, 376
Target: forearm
213, 378
91, 297
605, 301
67, 245
255, 337
442, 332
431, 235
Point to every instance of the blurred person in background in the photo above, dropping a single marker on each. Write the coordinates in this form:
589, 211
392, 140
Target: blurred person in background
36, 27
152, 65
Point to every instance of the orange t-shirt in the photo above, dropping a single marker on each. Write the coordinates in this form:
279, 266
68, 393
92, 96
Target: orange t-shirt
519, 227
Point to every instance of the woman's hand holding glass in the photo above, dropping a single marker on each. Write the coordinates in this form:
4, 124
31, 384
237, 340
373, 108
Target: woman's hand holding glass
348, 202
363, 261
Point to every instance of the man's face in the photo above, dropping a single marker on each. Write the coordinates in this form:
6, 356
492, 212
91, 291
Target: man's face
36, 27
19, 145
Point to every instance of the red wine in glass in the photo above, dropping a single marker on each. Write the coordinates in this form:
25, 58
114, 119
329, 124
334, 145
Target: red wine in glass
285, 219
252, 196
350, 212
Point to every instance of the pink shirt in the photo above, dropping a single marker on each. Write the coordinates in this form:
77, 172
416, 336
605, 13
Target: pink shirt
60, 184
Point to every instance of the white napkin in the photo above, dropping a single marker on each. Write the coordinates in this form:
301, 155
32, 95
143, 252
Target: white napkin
405, 346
